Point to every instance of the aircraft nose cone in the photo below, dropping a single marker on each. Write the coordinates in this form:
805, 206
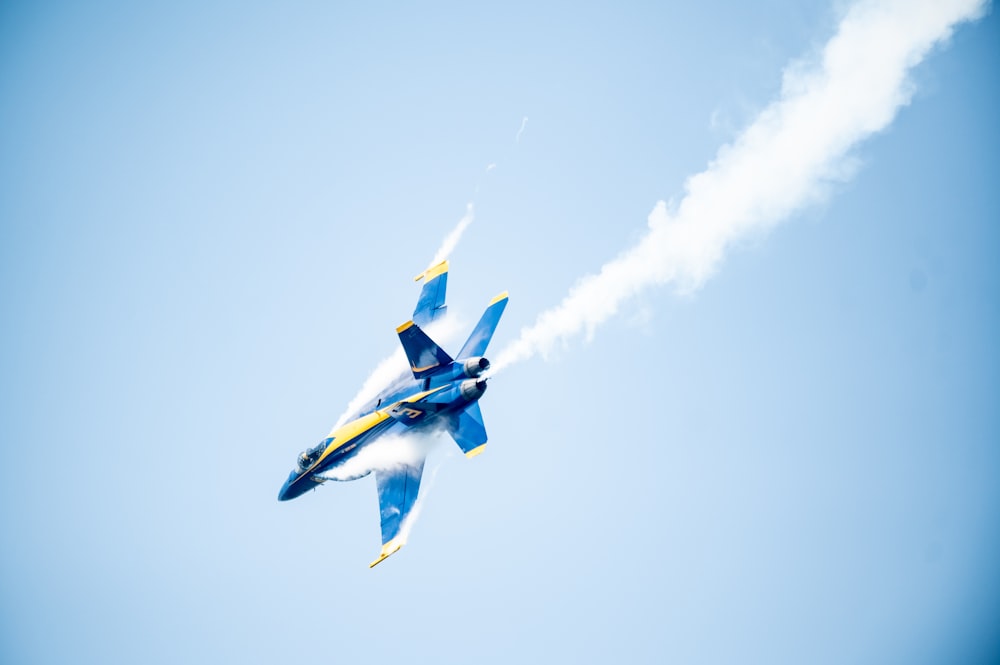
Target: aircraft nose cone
292, 488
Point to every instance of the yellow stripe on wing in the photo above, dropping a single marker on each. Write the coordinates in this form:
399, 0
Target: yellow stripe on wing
388, 550
433, 271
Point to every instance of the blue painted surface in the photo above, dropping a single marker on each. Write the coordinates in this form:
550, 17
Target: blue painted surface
452, 403
397, 494
425, 356
430, 304
483, 332
211, 214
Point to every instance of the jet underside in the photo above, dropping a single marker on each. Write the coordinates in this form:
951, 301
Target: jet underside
437, 393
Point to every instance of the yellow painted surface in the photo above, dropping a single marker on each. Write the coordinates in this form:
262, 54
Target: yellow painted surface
433, 271
500, 297
478, 450
439, 269
351, 430
388, 550
404, 326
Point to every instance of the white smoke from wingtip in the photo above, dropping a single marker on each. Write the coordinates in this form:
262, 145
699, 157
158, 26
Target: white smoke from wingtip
443, 330
431, 467
391, 453
786, 159
451, 240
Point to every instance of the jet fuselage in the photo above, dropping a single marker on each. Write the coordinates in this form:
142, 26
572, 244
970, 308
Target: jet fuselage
457, 385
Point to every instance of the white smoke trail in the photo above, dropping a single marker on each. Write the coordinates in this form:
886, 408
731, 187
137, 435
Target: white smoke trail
387, 453
434, 442
784, 160
443, 331
451, 240
386, 371
392, 452
524, 123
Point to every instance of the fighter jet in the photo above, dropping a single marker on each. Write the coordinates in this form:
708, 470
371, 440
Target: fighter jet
439, 392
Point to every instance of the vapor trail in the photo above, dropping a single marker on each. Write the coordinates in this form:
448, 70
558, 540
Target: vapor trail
451, 240
444, 330
785, 160
395, 365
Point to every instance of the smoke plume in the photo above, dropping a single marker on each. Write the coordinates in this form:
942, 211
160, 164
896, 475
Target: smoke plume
451, 240
445, 329
786, 159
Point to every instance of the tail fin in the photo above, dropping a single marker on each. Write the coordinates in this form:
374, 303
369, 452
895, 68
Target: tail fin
466, 426
425, 356
430, 304
483, 332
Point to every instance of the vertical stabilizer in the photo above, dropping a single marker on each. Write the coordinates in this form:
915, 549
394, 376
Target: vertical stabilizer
483, 332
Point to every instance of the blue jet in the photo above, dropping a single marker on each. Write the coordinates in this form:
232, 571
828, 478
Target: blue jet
438, 392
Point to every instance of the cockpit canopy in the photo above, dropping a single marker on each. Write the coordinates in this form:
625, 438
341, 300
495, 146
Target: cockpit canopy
309, 456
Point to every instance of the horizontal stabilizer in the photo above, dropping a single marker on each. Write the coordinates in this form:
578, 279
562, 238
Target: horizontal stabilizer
467, 428
430, 304
425, 356
483, 332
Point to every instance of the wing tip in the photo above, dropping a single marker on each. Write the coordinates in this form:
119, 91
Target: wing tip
433, 271
388, 550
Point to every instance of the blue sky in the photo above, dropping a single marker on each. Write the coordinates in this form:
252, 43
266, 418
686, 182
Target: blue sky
210, 217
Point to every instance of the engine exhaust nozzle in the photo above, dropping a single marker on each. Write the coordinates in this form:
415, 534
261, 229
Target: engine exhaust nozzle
474, 367
473, 389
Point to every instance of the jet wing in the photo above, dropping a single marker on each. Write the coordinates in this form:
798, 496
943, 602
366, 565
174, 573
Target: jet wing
430, 304
397, 493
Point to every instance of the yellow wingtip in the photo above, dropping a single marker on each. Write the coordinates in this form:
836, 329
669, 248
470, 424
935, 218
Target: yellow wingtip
433, 271
404, 327
388, 550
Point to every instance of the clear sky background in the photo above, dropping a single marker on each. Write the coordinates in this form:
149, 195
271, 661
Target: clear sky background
210, 217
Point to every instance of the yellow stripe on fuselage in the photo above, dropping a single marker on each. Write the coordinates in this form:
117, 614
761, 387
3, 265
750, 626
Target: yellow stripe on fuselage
355, 428
351, 431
